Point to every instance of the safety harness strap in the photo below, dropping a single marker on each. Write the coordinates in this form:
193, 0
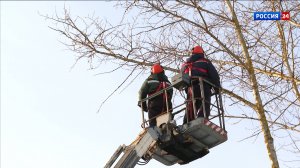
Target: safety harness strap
160, 87
190, 66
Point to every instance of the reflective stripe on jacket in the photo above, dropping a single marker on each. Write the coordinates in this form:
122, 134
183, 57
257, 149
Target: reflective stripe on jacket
152, 83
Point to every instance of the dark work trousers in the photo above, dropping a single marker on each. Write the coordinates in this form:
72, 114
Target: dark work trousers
157, 106
198, 103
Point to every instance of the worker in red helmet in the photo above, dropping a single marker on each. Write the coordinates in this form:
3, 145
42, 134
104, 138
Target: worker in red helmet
199, 66
153, 84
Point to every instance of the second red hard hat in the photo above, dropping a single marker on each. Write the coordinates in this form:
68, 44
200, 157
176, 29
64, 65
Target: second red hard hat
197, 50
156, 68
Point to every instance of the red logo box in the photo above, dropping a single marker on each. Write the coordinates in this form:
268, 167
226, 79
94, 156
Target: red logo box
285, 16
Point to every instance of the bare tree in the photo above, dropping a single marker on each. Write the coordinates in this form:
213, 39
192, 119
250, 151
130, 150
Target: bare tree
258, 61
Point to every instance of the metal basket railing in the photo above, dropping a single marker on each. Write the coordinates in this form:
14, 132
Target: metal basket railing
176, 110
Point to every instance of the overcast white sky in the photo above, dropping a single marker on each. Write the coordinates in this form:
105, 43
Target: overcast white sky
48, 111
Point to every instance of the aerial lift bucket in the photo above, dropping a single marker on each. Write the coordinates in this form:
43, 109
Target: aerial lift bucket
189, 142
170, 143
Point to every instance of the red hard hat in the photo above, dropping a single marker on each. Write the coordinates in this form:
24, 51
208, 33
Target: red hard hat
156, 68
197, 50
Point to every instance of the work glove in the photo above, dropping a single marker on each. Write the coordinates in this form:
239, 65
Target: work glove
144, 106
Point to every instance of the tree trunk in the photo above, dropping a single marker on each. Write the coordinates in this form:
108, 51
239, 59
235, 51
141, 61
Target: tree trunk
259, 106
